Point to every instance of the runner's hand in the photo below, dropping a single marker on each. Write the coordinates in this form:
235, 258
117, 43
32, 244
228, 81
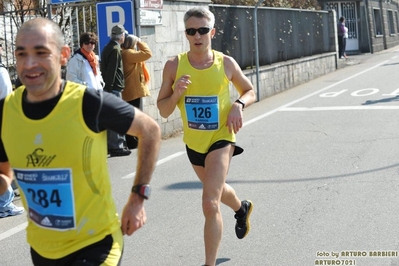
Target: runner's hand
133, 215
234, 119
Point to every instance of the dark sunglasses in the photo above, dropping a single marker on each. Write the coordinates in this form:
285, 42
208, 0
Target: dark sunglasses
87, 43
201, 31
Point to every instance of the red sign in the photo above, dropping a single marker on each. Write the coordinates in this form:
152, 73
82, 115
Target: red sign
151, 4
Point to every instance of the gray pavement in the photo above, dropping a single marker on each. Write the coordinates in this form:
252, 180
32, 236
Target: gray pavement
320, 164
353, 60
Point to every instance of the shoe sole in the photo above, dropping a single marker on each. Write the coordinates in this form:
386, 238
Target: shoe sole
247, 220
118, 155
11, 214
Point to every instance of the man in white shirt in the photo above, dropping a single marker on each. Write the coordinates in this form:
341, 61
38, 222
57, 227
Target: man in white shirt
7, 208
5, 82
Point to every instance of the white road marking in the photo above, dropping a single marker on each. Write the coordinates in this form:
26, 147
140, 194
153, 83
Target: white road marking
310, 95
162, 161
13, 231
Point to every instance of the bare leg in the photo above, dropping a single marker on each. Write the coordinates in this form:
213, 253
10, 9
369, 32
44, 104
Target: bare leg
215, 190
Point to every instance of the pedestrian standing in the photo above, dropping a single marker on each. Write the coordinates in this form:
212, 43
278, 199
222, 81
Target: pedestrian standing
7, 207
341, 33
112, 71
134, 54
84, 67
344, 40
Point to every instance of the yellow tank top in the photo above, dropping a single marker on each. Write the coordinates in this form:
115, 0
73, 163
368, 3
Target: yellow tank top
205, 105
61, 169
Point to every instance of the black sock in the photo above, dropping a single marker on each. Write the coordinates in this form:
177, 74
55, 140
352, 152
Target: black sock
241, 211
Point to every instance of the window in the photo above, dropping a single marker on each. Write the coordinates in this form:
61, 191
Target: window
397, 21
391, 24
377, 22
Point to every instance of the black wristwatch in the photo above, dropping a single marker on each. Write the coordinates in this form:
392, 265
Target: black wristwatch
143, 191
241, 102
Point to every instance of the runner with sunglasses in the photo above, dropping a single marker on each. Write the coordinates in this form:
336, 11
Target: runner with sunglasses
197, 82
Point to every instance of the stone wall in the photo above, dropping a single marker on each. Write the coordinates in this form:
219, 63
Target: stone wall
279, 77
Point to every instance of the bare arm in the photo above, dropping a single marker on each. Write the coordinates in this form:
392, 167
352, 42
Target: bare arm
148, 132
6, 176
244, 87
149, 135
168, 97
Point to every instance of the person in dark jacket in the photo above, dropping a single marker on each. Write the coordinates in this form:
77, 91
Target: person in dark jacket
112, 72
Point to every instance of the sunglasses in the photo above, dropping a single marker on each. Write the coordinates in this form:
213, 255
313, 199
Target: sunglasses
201, 31
87, 43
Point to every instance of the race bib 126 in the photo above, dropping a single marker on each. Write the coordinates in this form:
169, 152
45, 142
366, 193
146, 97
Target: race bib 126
202, 112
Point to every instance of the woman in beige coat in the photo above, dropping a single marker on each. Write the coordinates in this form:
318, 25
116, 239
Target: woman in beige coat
134, 53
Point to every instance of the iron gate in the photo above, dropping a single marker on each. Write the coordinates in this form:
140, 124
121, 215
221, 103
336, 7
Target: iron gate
349, 12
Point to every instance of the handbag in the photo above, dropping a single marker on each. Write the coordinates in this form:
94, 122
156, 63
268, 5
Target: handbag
146, 73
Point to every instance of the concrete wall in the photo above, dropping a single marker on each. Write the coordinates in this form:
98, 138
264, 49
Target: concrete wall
286, 75
168, 39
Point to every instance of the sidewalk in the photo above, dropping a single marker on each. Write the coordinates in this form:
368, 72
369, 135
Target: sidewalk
359, 58
353, 60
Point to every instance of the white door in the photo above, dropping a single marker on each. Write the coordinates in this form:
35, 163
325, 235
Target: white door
349, 12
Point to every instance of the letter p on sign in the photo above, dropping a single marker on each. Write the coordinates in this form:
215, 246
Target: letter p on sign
114, 15
110, 14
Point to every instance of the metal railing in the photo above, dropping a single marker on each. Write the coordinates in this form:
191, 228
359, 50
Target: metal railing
283, 34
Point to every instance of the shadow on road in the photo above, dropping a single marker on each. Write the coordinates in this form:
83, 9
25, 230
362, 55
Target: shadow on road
198, 185
385, 100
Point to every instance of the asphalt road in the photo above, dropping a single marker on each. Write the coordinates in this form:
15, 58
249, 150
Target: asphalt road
320, 164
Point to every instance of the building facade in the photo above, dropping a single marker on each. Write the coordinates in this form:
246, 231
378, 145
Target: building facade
373, 25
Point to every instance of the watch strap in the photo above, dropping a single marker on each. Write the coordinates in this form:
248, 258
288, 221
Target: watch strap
241, 102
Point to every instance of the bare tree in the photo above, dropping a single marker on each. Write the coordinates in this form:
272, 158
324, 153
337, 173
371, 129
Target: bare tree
302, 4
14, 13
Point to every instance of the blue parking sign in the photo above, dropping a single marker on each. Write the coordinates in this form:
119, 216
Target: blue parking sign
110, 14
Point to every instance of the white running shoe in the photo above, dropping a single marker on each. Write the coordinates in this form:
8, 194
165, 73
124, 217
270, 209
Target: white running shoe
11, 210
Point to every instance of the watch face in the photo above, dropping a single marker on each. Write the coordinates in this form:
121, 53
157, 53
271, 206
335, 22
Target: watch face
145, 190
142, 190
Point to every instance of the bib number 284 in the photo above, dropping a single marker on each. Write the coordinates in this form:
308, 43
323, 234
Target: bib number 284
43, 198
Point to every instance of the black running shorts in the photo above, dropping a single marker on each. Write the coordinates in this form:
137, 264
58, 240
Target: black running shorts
197, 158
107, 252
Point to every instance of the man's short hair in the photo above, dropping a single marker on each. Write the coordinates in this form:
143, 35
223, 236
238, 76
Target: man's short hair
201, 12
